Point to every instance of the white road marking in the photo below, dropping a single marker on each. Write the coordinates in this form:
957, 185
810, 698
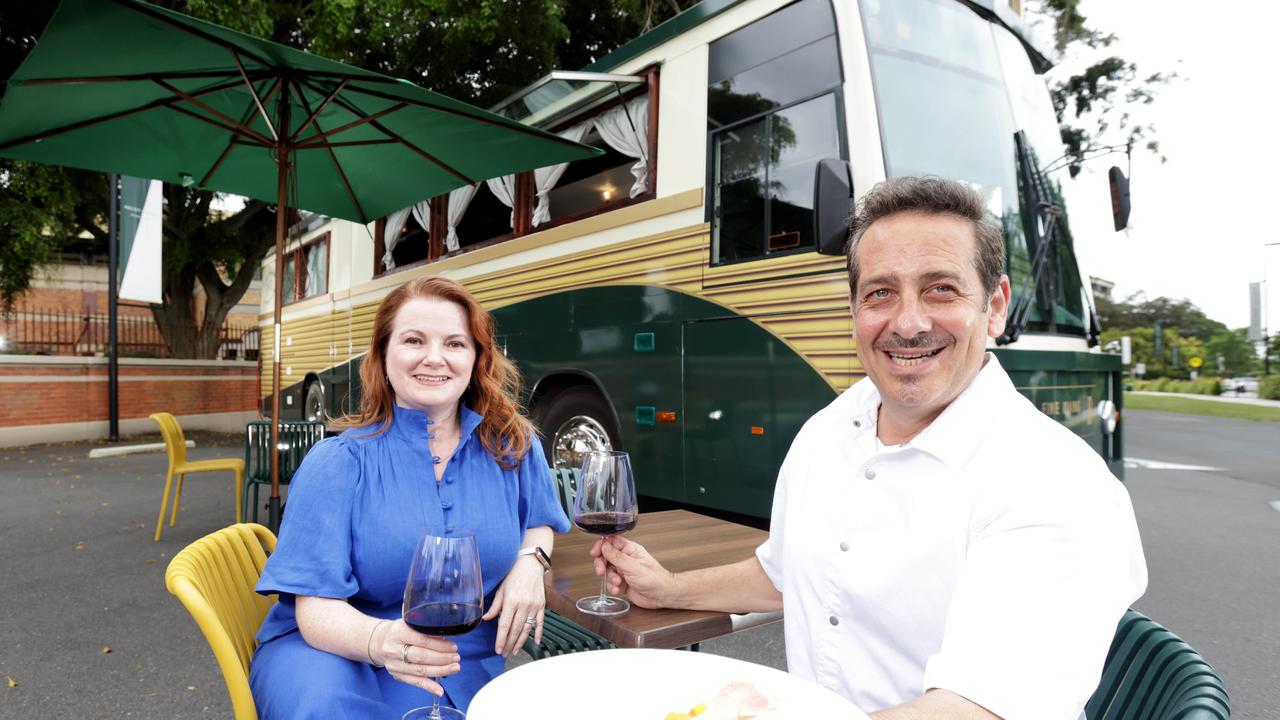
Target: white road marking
1134, 462
1275, 505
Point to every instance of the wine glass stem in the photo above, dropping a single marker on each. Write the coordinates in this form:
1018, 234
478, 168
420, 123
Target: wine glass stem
435, 703
604, 580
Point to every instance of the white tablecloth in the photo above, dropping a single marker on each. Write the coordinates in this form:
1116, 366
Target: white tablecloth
643, 684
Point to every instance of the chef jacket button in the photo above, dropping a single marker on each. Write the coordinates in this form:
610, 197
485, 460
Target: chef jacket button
844, 545
870, 473
834, 620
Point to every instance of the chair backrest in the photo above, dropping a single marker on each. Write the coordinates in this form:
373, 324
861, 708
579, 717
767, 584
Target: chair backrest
174, 442
566, 487
1151, 674
214, 578
297, 437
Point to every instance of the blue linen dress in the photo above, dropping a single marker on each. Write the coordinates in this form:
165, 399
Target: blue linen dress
357, 507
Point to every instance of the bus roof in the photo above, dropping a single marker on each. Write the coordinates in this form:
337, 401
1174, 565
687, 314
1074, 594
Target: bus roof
1042, 58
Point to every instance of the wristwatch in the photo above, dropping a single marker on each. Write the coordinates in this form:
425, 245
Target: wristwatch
538, 554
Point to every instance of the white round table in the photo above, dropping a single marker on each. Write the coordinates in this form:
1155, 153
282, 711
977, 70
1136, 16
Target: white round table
644, 684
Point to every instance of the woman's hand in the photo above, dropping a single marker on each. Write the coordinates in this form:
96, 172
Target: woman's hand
412, 657
519, 605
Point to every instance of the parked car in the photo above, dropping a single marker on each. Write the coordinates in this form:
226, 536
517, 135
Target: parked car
1240, 385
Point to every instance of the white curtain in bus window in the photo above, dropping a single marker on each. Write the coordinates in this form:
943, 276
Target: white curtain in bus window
391, 235
626, 129
772, 115
504, 188
545, 178
459, 199
317, 259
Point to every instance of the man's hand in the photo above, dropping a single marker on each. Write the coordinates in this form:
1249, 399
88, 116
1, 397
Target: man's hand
632, 572
936, 704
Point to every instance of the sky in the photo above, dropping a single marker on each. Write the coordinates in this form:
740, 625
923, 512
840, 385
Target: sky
1199, 220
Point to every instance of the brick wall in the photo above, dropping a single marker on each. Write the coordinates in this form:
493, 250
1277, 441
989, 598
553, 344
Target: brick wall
49, 399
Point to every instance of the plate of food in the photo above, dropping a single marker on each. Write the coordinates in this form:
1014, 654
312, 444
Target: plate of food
647, 684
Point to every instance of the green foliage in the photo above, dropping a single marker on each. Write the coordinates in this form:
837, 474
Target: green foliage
1094, 105
1269, 387
1199, 386
1237, 353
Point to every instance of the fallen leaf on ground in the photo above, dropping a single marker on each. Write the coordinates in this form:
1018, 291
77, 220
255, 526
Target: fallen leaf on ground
79, 546
151, 562
191, 688
12, 683
106, 649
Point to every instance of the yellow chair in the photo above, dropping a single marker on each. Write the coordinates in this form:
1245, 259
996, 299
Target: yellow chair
214, 578
176, 445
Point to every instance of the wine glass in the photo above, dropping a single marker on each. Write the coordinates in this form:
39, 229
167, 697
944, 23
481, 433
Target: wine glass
605, 504
444, 595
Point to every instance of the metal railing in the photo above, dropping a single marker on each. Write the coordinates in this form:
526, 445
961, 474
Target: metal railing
60, 332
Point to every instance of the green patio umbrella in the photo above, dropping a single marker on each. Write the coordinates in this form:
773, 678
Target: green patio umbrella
124, 86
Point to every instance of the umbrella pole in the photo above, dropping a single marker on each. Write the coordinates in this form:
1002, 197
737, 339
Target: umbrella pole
282, 166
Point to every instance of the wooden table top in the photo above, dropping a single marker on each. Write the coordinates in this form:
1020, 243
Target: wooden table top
678, 539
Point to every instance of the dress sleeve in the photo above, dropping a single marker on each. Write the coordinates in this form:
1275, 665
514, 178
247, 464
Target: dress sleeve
539, 502
1046, 580
313, 555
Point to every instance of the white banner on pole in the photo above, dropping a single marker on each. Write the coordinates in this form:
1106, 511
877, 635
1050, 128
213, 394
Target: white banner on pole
142, 212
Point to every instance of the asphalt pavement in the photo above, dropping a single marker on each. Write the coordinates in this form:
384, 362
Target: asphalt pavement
90, 632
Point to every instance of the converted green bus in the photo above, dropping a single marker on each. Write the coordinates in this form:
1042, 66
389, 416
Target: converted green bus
684, 296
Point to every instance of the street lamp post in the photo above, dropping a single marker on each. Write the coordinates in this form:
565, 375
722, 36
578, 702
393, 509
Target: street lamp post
1266, 312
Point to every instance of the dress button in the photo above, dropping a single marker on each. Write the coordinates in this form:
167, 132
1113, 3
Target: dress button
835, 620
446, 505
844, 545
870, 473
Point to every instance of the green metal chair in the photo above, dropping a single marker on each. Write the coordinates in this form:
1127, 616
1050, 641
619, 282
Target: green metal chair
1151, 674
560, 635
296, 438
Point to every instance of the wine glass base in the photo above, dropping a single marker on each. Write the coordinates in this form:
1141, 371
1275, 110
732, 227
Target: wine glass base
603, 605
438, 713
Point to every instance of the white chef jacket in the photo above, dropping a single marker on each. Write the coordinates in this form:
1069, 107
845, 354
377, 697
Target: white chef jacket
991, 556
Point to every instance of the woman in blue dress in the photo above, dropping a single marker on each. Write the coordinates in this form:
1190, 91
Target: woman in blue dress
439, 440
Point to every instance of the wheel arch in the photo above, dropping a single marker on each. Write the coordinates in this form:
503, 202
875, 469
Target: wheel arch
313, 378
557, 381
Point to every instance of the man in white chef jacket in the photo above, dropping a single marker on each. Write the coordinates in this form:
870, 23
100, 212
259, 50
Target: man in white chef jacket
940, 547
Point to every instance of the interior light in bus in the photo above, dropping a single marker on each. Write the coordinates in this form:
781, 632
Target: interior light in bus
666, 416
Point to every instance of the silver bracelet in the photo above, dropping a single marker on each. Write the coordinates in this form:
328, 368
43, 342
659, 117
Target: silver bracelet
368, 645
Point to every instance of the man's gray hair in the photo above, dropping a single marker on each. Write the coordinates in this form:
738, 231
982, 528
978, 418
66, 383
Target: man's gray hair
931, 195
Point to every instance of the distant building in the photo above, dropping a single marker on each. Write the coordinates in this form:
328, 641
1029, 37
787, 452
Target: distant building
1101, 288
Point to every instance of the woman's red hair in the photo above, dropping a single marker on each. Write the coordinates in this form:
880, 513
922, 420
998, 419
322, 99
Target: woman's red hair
495, 381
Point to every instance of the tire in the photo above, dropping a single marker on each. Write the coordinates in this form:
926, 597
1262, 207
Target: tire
313, 402
575, 420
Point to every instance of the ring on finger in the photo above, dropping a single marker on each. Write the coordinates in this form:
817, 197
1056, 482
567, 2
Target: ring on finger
530, 620
404, 654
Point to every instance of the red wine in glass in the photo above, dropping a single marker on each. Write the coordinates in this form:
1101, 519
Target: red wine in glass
444, 618
605, 504
444, 595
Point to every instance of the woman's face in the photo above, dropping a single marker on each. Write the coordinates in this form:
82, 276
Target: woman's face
430, 356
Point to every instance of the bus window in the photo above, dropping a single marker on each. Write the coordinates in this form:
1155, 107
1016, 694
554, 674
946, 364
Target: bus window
485, 218
772, 114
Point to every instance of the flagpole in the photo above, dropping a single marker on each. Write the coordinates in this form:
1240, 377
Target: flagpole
113, 264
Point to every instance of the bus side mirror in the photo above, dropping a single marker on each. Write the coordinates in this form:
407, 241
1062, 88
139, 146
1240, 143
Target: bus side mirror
832, 202
1119, 198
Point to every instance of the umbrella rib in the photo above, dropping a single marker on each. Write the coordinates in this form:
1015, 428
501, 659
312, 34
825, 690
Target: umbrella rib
504, 123
271, 91
250, 139
254, 94
349, 143
240, 128
316, 114
383, 129
337, 165
154, 104
319, 138
88, 79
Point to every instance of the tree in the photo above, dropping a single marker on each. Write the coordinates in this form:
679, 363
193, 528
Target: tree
1237, 353
1087, 101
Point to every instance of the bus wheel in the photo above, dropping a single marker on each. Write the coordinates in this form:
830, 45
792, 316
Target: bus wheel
576, 421
313, 402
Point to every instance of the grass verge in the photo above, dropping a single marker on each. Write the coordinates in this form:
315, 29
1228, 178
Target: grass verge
1243, 411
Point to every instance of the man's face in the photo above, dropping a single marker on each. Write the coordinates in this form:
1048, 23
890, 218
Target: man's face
922, 318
